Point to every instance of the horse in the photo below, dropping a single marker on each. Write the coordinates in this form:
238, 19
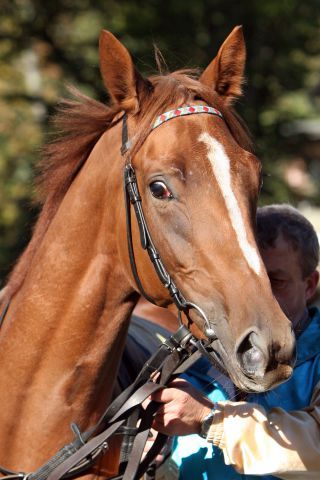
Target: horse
73, 290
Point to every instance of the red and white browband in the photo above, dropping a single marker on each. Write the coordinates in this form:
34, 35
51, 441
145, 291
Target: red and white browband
189, 110
177, 112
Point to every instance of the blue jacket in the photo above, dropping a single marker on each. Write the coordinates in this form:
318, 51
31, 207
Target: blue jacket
197, 459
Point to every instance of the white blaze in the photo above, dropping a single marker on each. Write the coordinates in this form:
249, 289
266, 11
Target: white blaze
220, 164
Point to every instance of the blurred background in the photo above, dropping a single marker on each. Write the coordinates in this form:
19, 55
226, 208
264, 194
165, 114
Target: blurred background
45, 45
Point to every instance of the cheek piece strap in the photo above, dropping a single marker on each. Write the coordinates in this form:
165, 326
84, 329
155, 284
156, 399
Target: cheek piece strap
132, 197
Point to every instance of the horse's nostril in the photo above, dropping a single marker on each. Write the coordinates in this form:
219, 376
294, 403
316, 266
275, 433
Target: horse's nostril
251, 357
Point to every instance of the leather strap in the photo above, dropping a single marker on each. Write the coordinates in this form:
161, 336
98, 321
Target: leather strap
144, 392
132, 197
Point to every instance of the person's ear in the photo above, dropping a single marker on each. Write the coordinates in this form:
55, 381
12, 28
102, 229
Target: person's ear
311, 284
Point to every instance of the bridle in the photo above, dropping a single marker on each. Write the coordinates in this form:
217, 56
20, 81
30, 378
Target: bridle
132, 197
173, 357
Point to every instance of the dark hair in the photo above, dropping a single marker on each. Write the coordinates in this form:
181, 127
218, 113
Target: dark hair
273, 220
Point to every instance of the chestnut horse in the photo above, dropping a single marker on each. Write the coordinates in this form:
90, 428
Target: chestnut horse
73, 291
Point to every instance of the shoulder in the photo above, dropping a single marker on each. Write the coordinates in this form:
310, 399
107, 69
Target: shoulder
308, 344
146, 333
314, 313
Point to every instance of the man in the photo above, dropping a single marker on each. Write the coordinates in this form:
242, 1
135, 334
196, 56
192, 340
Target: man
277, 432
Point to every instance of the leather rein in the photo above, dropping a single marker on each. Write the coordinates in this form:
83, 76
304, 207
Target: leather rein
173, 357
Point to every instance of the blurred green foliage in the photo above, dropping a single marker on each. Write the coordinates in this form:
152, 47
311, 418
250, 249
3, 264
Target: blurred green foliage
44, 45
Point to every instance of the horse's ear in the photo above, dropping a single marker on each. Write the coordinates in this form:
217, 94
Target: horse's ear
225, 74
124, 83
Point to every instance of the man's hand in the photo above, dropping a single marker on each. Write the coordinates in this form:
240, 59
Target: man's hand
183, 409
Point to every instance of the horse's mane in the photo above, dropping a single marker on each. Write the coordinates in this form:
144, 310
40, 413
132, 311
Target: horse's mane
80, 121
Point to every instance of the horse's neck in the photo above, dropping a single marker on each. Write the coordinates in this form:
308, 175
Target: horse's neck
64, 332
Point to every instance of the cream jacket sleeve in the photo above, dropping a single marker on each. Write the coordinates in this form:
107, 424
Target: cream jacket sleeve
285, 444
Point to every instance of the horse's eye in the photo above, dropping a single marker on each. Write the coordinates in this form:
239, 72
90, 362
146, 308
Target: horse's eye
160, 190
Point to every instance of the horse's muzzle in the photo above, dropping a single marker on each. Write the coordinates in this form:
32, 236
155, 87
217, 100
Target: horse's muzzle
256, 357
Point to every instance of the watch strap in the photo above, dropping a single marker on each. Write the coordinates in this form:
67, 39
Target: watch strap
207, 422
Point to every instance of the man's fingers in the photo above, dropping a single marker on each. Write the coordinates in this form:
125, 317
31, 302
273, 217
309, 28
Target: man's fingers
158, 423
152, 397
166, 394
178, 387
157, 396
163, 396
179, 383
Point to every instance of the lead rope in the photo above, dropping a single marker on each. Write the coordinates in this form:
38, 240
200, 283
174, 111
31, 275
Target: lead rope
169, 353
77, 457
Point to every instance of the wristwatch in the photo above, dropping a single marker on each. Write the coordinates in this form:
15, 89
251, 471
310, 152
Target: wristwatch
206, 423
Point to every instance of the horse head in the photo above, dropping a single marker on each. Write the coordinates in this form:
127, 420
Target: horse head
199, 181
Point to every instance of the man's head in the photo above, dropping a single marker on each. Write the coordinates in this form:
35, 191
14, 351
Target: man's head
290, 250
